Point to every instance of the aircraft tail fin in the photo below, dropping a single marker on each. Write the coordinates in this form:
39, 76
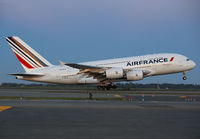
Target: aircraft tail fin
28, 57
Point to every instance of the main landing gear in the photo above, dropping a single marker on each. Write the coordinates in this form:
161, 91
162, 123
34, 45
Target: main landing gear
106, 86
184, 75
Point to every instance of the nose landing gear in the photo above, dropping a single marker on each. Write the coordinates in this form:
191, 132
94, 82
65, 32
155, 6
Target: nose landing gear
184, 75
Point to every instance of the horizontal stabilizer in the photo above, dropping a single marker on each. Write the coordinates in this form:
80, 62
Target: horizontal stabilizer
26, 74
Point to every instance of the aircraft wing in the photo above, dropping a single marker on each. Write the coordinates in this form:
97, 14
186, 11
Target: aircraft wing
90, 71
87, 68
80, 66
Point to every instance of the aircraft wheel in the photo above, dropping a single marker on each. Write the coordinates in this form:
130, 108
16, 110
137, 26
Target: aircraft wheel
114, 86
107, 87
184, 77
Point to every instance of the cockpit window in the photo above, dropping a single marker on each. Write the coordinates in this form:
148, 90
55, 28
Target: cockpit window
187, 59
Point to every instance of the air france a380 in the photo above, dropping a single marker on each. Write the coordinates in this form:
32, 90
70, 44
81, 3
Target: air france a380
102, 72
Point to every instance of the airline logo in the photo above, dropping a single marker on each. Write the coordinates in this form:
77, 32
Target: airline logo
150, 61
26, 57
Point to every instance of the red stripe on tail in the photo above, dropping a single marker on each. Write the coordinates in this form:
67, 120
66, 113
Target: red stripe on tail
172, 59
24, 62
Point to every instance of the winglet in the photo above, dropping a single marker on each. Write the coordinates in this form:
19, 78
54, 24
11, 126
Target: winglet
61, 63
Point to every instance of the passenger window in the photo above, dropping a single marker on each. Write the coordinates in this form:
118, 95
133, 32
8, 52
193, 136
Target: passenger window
187, 59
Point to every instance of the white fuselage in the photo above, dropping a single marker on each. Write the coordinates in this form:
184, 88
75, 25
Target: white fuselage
155, 64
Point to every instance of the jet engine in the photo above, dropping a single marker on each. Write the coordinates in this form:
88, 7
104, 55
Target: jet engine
134, 75
114, 73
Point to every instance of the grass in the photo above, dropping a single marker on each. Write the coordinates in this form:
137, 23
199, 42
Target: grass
128, 92
57, 98
95, 89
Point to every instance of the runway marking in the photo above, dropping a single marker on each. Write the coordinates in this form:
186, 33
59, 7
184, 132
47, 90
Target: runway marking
2, 108
117, 95
182, 96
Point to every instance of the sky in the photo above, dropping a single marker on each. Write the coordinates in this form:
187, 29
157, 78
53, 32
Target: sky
87, 30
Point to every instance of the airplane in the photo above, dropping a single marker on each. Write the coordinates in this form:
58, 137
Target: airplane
103, 72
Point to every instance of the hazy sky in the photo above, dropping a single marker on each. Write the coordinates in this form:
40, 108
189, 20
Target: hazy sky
86, 30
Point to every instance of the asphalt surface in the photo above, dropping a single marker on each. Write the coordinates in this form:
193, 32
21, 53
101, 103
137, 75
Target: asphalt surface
72, 119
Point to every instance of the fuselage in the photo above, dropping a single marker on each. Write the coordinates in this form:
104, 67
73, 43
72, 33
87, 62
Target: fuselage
155, 64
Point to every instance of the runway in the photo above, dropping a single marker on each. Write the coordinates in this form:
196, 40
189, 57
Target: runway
85, 119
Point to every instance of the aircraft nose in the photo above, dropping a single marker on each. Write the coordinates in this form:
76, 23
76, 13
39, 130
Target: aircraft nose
193, 64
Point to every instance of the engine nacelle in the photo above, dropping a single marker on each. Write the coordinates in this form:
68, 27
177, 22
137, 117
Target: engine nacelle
134, 75
114, 73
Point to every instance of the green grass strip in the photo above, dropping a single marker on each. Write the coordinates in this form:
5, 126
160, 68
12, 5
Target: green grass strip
56, 98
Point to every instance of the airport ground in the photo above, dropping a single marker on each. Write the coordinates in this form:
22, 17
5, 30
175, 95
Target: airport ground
110, 114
